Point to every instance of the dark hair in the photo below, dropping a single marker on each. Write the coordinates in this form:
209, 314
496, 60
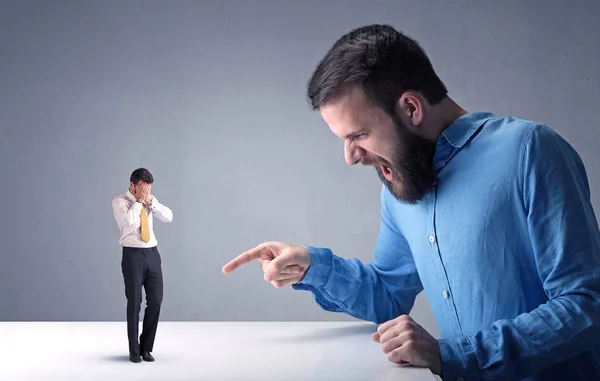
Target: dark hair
141, 174
382, 61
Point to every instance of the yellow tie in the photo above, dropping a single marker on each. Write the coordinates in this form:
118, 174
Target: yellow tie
144, 225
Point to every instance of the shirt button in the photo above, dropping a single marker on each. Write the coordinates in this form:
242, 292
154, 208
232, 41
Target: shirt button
431, 239
445, 294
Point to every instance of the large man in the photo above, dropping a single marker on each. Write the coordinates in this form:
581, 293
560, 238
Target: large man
490, 215
141, 263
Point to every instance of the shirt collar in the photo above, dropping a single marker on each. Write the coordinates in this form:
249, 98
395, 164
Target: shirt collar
456, 135
130, 196
462, 129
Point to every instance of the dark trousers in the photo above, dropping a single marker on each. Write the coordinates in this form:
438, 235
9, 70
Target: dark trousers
142, 268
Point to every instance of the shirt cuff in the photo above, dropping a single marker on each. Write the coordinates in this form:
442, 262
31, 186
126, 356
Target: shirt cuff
459, 362
320, 267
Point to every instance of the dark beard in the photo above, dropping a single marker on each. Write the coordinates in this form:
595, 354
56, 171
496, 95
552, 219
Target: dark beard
412, 165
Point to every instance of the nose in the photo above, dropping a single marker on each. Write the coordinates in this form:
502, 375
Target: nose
353, 154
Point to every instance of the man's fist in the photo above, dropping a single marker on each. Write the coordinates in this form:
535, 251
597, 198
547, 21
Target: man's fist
406, 342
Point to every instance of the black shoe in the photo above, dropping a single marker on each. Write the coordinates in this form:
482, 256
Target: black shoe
135, 358
147, 356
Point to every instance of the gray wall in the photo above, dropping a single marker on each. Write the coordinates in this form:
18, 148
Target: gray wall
210, 96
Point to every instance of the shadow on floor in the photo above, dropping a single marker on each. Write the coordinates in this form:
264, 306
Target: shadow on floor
116, 358
331, 333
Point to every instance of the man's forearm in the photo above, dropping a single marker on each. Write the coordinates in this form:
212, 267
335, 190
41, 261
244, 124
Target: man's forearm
351, 287
518, 348
161, 211
128, 216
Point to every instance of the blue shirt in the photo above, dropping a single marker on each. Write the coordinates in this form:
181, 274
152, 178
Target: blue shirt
506, 247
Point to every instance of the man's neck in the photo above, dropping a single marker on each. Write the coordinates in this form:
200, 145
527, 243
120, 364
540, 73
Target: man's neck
444, 114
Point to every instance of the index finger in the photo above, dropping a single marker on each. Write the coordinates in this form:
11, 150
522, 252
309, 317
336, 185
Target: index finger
390, 323
384, 327
242, 259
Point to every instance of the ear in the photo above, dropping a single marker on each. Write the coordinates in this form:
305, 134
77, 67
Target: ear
410, 107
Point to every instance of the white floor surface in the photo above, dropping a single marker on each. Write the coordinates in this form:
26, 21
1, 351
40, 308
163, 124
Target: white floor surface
90, 351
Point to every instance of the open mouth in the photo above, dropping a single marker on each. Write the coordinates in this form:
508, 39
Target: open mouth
387, 173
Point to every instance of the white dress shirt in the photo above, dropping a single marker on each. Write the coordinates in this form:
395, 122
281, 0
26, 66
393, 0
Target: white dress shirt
127, 214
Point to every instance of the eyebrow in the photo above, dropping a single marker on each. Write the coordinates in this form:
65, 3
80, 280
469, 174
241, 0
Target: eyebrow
354, 134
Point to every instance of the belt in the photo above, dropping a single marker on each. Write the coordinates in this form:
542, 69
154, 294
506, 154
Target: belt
129, 248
